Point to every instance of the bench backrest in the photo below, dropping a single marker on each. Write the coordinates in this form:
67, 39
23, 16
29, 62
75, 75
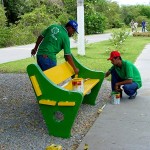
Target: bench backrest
60, 73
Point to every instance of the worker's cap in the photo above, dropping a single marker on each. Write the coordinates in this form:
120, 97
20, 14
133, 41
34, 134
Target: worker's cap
74, 25
114, 54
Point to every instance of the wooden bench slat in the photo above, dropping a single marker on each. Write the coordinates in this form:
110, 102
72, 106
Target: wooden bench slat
59, 73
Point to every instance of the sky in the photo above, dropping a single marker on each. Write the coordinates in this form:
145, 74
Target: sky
133, 2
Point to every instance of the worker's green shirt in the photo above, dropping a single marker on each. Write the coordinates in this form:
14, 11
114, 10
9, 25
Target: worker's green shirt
128, 71
55, 39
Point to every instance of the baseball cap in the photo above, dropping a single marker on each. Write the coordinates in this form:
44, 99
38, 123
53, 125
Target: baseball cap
114, 54
74, 25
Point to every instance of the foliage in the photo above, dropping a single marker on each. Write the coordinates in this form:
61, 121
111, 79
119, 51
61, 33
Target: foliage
140, 19
94, 21
63, 18
148, 26
145, 11
3, 18
22, 36
32, 16
37, 20
70, 7
5, 34
14, 8
116, 21
129, 12
55, 9
118, 39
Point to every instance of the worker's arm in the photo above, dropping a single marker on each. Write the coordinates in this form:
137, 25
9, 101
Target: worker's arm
39, 40
118, 84
71, 62
107, 73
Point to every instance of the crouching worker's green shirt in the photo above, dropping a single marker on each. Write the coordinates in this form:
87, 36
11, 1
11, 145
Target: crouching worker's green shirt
128, 71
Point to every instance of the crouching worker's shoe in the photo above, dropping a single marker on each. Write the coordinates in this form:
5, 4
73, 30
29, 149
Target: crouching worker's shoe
133, 96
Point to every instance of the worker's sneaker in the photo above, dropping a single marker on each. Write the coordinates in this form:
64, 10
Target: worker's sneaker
133, 96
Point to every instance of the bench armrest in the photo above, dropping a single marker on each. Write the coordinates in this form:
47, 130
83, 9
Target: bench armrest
85, 72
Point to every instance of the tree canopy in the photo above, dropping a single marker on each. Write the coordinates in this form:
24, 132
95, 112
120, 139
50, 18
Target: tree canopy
33, 16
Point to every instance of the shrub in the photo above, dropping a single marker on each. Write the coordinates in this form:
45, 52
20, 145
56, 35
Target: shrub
118, 39
22, 36
3, 18
37, 20
5, 34
63, 18
95, 22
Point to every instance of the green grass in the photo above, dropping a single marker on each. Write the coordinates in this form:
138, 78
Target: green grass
95, 58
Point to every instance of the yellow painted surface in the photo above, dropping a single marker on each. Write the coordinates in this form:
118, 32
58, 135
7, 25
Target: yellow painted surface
68, 86
60, 73
66, 103
54, 147
47, 102
89, 84
36, 86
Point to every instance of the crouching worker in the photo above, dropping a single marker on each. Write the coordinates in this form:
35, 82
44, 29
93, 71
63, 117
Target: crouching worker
123, 74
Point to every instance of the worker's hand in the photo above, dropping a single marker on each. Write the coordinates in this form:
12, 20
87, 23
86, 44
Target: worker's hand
107, 74
33, 52
117, 87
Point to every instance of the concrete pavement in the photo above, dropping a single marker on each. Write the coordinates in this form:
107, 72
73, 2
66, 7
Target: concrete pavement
125, 126
20, 52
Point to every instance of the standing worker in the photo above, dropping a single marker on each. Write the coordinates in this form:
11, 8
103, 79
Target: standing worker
51, 42
123, 74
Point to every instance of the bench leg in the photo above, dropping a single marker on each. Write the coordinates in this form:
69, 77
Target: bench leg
60, 119
91, 97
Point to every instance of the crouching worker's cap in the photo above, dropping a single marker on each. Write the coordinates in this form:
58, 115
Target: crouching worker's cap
114, 54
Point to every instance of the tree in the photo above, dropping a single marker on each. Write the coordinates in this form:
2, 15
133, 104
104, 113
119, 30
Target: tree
113, 15
71, 8
134, 12
13, 9
3, 18
145, 11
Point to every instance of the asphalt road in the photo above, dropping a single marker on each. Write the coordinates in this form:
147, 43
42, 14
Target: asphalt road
20, 52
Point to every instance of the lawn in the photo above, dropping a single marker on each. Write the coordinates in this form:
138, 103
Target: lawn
95, 58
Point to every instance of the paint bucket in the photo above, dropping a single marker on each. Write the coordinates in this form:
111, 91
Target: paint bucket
77, 84
115, 97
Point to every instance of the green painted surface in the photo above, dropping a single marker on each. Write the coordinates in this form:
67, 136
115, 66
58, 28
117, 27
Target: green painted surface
87, 73
60, 119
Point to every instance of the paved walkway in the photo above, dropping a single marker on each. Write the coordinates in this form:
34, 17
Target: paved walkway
20, 52
125, 126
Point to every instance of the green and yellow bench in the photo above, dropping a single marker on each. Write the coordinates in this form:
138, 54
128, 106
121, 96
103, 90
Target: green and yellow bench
58, 103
